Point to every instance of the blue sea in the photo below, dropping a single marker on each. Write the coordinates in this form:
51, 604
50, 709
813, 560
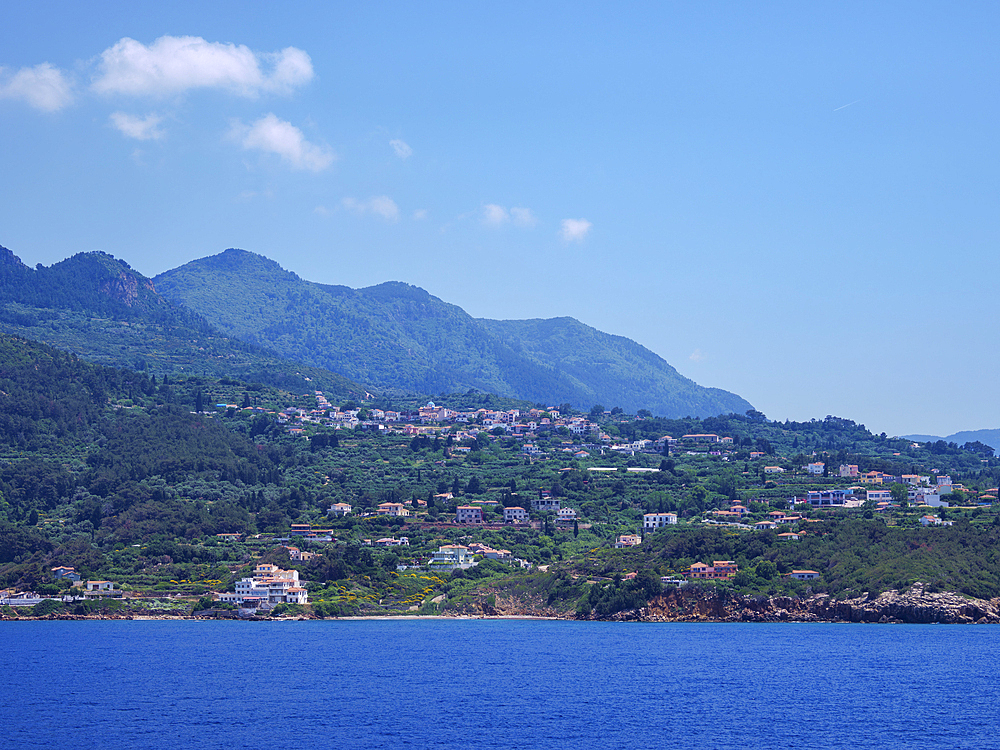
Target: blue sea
496, 684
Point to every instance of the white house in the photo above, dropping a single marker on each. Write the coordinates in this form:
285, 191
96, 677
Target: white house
269, 586
545, 504
452, 556
803, 575
566, 514
515, 514
658, 520
340, 509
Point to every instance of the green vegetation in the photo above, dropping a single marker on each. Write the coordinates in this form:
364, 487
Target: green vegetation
116, 473
99, 308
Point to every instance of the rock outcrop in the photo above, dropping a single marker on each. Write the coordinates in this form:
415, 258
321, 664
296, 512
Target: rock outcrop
694, 604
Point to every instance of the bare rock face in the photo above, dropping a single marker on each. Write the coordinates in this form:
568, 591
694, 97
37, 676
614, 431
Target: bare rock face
917, 606
124, 288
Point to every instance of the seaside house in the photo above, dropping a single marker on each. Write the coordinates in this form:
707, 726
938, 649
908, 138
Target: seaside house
101, 589
268, 587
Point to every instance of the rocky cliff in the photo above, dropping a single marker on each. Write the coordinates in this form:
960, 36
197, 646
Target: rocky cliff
692, 604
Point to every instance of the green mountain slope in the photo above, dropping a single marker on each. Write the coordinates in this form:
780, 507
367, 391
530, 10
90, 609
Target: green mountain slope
99, 308
397, 335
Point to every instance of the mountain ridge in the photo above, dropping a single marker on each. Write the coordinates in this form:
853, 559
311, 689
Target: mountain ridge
988, 437
99, 308
398, 334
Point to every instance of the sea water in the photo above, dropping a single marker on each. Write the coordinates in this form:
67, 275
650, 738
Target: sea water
496, 684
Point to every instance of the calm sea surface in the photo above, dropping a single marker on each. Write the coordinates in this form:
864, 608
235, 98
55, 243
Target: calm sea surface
496, 684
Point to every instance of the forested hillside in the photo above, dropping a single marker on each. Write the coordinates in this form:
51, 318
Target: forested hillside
100, 308
399, 336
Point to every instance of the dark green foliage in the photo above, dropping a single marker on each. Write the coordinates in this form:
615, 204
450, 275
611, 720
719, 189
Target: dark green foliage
619, 595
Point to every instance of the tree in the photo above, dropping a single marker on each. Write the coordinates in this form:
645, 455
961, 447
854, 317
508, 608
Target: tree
766, 569
899, 493
576, 529
596, 410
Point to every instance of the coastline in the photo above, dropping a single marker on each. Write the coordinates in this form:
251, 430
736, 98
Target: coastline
689, 604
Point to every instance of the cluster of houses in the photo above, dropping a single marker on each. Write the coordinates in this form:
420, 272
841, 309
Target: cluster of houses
471, 514
81, 589
430, 419
91, 589
722, 570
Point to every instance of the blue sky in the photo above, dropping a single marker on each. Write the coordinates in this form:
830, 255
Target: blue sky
794, 202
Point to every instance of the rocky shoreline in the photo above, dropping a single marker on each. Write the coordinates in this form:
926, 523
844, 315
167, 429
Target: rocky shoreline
915, 606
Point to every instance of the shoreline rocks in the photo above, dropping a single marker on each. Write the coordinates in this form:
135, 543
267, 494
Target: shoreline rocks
915, 606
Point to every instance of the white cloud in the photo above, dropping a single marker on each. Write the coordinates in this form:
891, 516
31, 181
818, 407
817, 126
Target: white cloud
380, 205
697, 356
574, 230
43, 87
420, 214
271, 135
321, 211
175, 64
140, 128
523, 217
494, 215
402, 149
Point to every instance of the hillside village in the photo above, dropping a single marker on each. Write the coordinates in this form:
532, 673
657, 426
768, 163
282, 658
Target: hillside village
227, 497
542, 437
